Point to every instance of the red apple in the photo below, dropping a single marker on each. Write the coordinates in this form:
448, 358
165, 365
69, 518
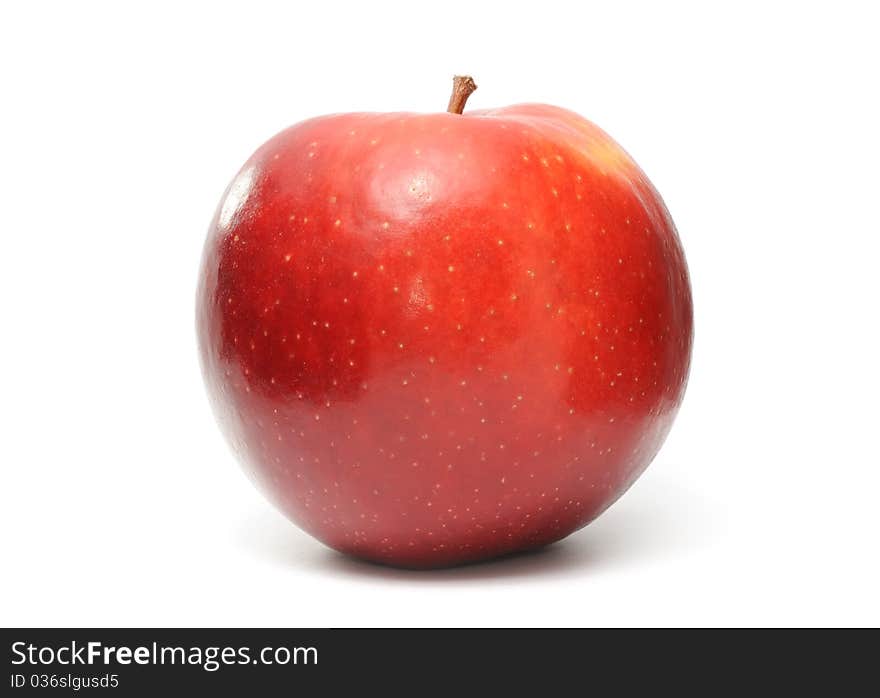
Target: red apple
437, 338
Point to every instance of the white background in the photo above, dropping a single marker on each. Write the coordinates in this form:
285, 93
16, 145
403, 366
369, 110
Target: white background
121, 504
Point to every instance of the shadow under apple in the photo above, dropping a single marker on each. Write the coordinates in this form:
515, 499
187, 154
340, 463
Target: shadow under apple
658, 518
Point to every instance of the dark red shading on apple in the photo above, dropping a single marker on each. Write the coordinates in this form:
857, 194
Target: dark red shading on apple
437, 338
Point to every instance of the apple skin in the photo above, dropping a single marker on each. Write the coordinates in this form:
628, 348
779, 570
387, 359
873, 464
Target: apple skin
438, 338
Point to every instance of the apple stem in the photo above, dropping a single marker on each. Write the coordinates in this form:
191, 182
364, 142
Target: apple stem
463, 87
